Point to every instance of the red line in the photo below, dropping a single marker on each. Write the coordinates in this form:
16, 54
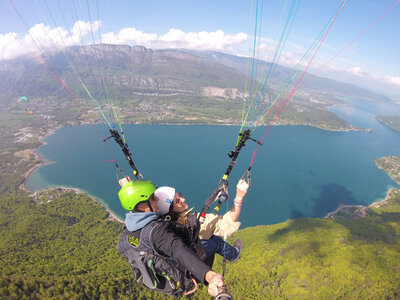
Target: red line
355, 39
49, 67
298, 82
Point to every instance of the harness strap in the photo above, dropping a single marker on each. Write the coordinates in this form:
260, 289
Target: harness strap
194, 289
124, 147
247, 176
220, 194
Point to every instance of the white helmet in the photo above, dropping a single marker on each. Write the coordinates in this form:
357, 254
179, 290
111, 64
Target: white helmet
165, 195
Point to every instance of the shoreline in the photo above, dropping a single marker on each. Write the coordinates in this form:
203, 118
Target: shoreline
36, 194
39, 163
29, 172
62, 189
361, 210
378, 204
350, 129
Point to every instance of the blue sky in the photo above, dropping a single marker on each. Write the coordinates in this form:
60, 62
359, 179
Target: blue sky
221, 25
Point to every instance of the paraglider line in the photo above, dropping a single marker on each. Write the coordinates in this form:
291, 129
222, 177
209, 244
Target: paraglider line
53, 72
298, 82
352, 42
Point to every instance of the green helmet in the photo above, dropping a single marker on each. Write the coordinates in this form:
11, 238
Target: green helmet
135, 192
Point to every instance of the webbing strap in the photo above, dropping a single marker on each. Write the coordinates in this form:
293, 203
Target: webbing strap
243, 137
125, 150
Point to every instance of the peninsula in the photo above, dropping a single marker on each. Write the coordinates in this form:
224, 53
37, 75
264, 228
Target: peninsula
391, 165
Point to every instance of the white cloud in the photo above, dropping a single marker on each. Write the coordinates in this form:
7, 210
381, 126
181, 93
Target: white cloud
265, 47
264, 51
357, 71
129, 36
55, 38
173, 35
45, 38
358, 76
176, 38
289, 59
393, 80
9, 45
330, 67
82, 29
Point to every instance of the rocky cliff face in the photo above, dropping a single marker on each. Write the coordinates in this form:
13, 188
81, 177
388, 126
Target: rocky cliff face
231, 93
129, 70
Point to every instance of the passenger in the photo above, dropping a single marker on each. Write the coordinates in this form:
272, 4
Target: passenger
159, 257
173, 206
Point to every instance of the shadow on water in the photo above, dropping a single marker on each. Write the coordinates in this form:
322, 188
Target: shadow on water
329, 199
296, 214
312, 174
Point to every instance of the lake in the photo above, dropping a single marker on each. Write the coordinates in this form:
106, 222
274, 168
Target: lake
300, 171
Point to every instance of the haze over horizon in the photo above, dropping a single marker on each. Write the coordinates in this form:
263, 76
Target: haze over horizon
220, 26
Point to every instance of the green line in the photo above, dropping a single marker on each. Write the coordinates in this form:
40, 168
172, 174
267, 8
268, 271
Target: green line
297, 69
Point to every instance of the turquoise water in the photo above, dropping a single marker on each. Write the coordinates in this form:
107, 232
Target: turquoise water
300, 171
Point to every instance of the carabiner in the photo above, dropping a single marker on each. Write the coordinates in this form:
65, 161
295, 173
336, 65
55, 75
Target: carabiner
247, 176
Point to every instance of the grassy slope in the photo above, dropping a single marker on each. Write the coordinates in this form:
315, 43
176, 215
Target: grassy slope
65, 248
322, 258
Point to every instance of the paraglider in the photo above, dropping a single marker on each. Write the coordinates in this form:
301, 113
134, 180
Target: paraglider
25, 101
23, 98
253, 115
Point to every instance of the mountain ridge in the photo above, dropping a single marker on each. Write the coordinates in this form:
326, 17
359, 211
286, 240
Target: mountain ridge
134, 68
141, 68
317, 83
158, 86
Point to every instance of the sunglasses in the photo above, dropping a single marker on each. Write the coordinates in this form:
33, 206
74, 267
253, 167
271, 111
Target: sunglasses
178, 198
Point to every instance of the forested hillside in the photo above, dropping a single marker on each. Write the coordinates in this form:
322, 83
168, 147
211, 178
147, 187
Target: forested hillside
391, 121
62, 245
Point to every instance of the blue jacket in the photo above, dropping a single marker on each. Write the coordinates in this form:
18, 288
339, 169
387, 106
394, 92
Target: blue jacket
137, 220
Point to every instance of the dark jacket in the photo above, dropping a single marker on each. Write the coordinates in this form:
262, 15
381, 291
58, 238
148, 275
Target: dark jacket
168, 243
188, 232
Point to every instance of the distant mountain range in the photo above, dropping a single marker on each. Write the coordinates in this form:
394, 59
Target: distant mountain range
116, 71
110, 68
282, 73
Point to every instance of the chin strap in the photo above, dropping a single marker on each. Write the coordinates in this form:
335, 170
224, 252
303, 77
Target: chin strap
149, 204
